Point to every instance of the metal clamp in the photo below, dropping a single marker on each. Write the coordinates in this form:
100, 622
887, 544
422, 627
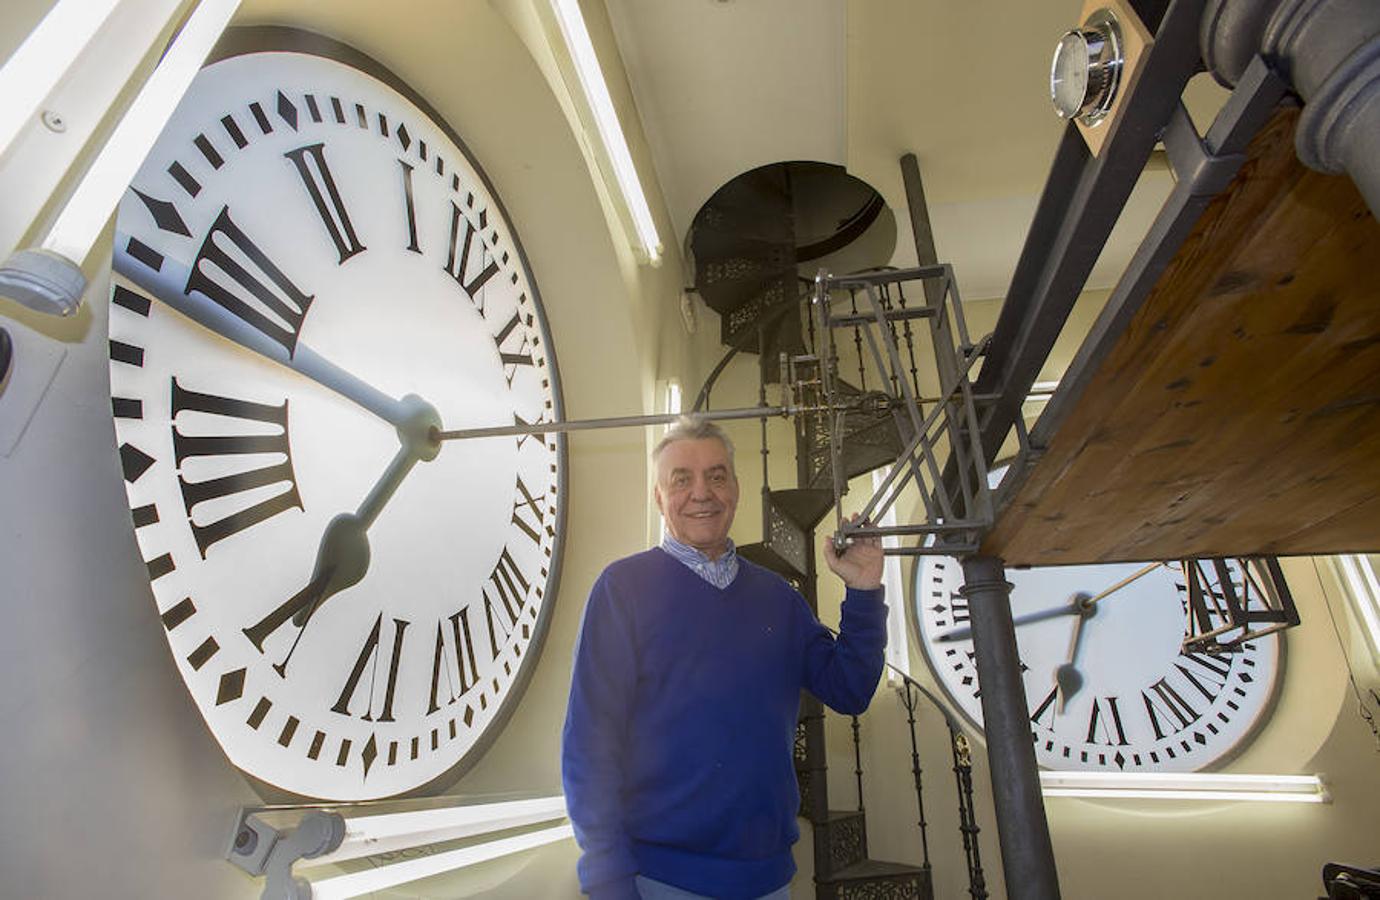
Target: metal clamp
260, 849
1194, 164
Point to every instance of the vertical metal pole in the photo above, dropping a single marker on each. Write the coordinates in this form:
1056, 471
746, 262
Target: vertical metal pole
941, 334
1027, 857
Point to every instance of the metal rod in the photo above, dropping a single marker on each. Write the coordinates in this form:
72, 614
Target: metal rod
872, 510
751, 412
903, 530
857, 760
1026, 852
863, 279
967, 821
949, 549
910, 701
901, 315
916, 424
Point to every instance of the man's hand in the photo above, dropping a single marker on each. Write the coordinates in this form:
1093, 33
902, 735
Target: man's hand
860, 565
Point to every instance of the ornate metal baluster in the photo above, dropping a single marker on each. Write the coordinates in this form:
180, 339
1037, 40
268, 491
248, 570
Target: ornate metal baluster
963, 775
857, 341
764, 362
884, 291
911, 698
857, 760
910, 342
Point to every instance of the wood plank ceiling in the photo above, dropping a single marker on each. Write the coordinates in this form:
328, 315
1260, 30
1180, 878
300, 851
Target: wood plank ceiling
1239, 413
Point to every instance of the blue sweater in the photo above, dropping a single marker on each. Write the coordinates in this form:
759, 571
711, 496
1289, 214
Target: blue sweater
677, 750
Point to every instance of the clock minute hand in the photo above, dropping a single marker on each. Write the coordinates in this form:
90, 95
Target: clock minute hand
167, 285
1139, 573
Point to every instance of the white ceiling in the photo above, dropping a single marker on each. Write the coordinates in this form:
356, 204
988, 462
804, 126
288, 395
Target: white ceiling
723, 86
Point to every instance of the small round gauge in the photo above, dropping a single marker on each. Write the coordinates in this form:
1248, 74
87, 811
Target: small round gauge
1086, 70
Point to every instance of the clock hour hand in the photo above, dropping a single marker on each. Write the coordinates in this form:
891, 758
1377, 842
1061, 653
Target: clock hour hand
1067, 677
170, 284
342, 558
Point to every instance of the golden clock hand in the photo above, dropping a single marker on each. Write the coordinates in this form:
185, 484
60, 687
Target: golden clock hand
168, 285
1067, 678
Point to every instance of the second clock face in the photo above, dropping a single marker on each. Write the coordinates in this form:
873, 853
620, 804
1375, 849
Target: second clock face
1135, 701
314, 277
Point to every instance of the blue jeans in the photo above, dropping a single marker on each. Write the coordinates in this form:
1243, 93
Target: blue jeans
657, 890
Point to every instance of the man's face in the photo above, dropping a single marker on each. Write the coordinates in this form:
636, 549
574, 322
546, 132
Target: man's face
697, 493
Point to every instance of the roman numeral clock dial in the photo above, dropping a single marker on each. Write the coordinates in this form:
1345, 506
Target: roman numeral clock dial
313, 277
1109, 686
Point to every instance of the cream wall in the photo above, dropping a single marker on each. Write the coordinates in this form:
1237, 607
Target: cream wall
113, 786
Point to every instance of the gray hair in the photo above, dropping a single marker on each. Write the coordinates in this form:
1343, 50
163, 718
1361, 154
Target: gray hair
692, 428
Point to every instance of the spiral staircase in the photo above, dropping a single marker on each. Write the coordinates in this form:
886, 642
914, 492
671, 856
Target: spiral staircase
748, 244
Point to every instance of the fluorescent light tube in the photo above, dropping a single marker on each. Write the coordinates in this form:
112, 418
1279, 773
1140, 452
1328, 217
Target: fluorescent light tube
94, 200
596, 93
389, 832
1185, 786
1365, 594
44, 58
49, 278
356, 884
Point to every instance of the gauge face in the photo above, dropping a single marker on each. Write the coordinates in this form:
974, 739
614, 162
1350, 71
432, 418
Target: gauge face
1068, 77
312, 275
1128, 698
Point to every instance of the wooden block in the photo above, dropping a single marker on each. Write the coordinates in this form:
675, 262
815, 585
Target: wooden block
1135, 41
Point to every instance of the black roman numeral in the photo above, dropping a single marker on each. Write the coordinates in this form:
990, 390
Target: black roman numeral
511, 587
1168, 703
528, 508
514, 354
410, 207
1046, 706
458, 258
524, 438
1208, 674
466, 672
320, 184
958, 604
219, 275
370, 652
1106, 715
242, 438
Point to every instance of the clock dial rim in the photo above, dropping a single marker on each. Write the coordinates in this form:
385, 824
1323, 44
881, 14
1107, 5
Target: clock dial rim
1268, 704
268, 39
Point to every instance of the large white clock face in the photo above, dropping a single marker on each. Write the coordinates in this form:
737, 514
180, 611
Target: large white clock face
313, 277
1133, 701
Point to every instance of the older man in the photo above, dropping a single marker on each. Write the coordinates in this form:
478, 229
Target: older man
677, 748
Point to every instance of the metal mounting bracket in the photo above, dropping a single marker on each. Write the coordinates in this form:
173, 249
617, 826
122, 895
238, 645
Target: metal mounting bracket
260, 849
1193, 162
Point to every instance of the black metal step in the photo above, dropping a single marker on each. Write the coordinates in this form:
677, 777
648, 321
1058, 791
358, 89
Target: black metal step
805, 507
770, 305
757, 204
840, 842
871, 879
767, 558
869, 440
